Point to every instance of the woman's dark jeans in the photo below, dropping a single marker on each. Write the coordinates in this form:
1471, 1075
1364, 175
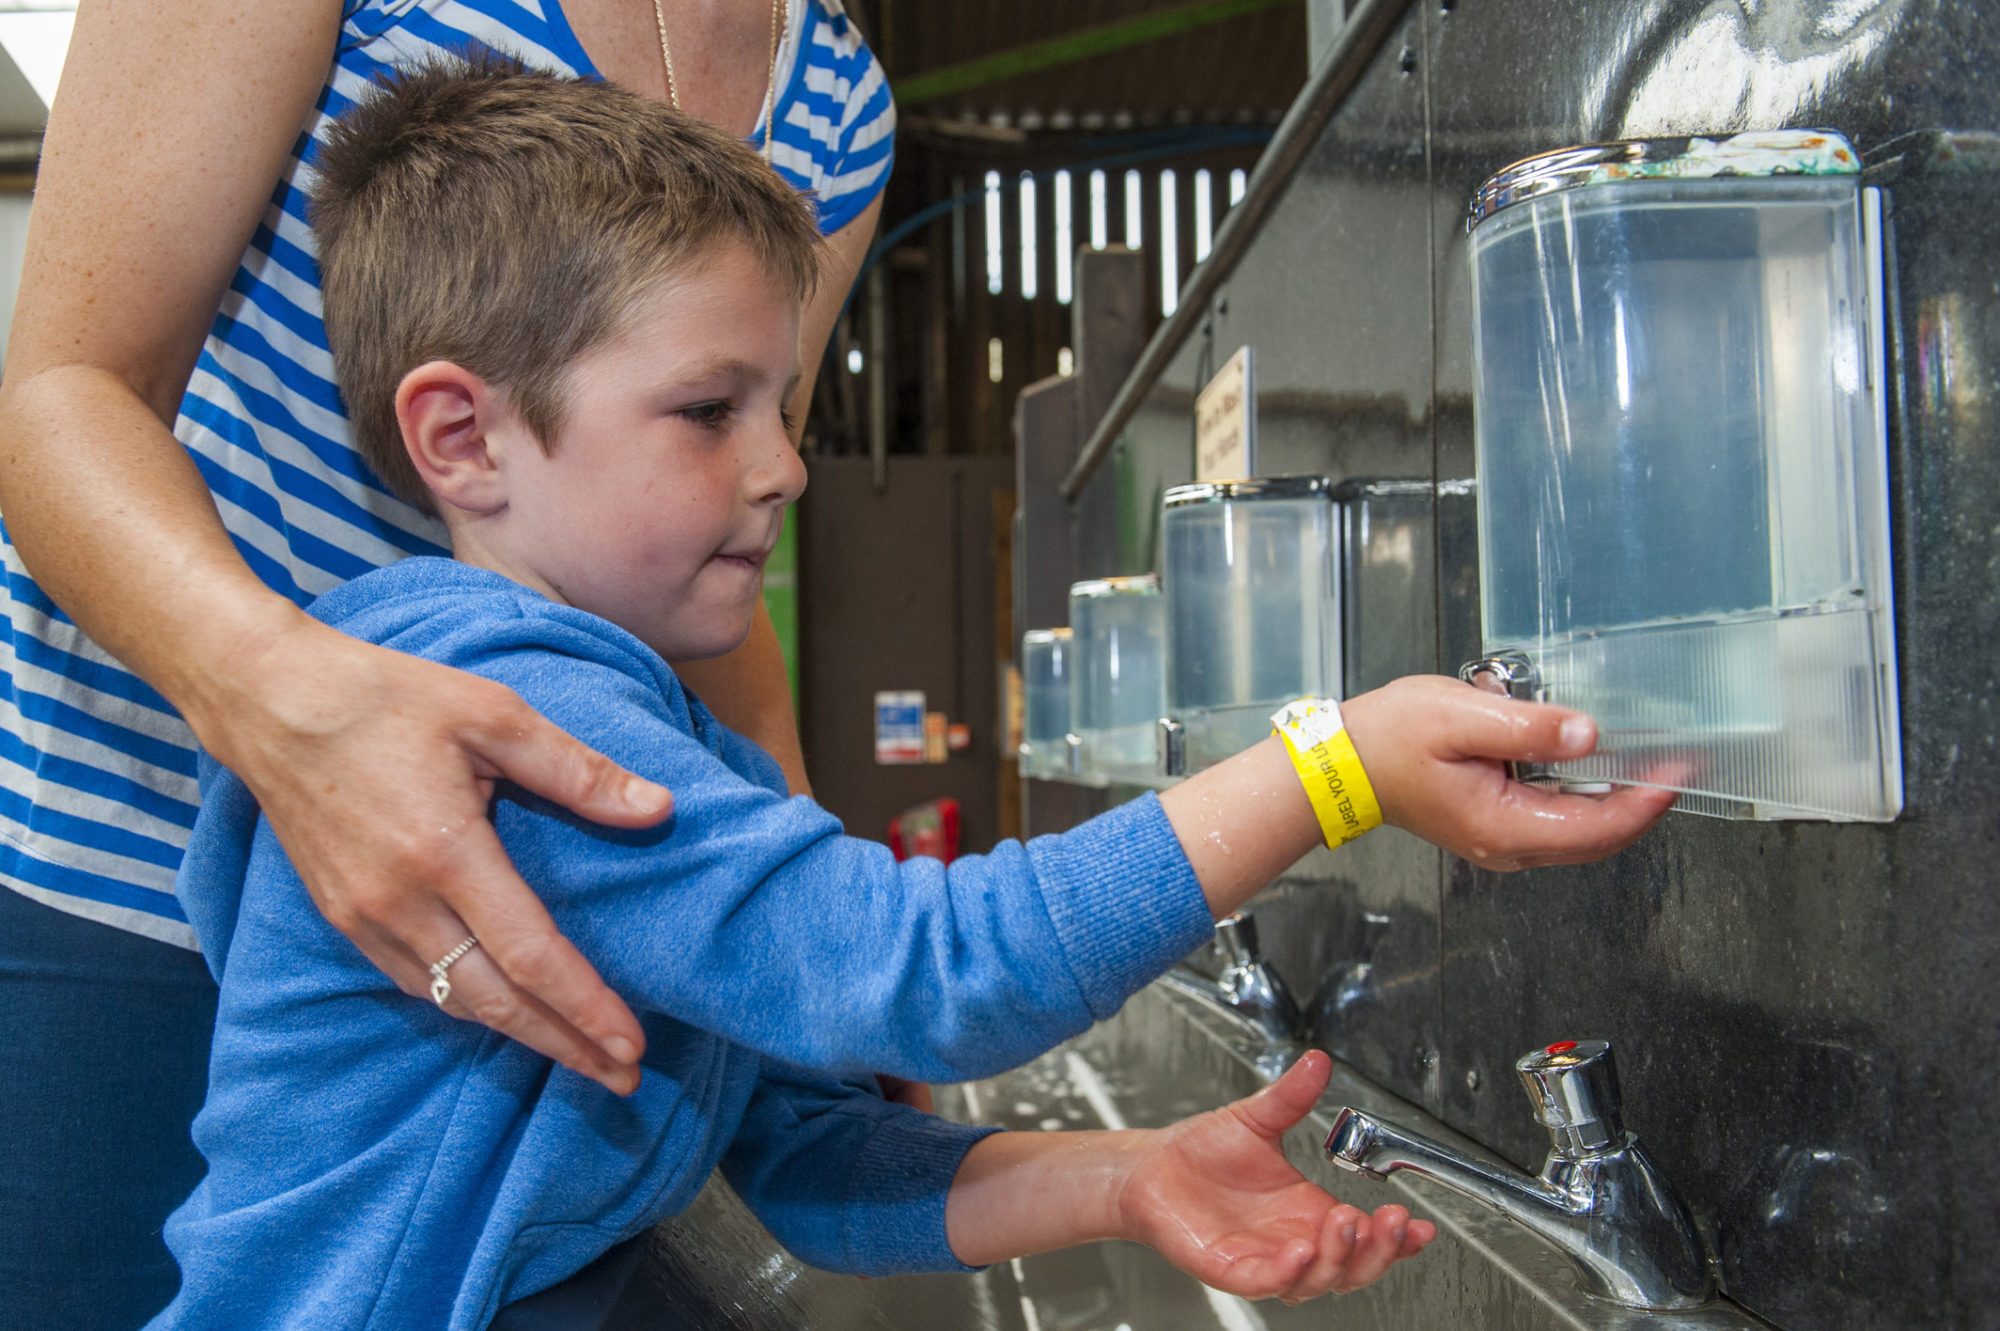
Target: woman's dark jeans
106, 1063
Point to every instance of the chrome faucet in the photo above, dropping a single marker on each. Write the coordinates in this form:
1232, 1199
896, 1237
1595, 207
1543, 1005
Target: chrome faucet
1248, 989
1599, 1197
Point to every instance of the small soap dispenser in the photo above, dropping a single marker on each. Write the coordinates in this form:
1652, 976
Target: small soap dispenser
1117, 677
1045, 667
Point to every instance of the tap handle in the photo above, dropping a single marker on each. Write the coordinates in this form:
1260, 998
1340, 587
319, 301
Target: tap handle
1574, 1088
1236, 935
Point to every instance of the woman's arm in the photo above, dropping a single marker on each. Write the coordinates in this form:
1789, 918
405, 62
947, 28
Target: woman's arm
1212, 1194
747, 689
373, 768
841, 262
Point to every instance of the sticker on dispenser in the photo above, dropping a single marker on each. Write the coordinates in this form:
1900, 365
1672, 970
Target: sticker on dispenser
1225, 422
899, 726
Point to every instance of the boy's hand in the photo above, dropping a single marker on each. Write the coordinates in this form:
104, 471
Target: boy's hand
1215, 1196
1436, 750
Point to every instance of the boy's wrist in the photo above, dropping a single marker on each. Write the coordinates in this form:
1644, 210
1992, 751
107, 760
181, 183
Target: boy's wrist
1019, 1193
1367, 717
1324, 758
1128, 1151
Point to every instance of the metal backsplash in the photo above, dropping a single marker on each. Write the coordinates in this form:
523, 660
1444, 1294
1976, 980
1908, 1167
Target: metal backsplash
1804, 1012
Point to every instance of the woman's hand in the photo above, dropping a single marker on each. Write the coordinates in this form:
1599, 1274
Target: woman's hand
375, 769
1216, 1197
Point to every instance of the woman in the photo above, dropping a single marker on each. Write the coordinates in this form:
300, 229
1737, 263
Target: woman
159, 543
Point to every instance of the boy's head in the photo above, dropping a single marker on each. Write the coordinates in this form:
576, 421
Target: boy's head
560, 314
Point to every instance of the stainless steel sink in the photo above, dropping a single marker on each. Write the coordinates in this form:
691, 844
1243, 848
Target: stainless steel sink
1165, 1056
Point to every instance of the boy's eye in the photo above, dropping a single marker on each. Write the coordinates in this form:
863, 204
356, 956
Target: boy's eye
709, 415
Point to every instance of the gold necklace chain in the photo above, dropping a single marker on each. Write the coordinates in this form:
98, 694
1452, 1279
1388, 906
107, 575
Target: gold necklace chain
781, 18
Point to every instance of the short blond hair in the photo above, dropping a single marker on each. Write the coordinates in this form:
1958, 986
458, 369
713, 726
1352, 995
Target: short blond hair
475, 211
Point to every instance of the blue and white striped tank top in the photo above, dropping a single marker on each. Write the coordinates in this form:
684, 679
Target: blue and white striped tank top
97, 773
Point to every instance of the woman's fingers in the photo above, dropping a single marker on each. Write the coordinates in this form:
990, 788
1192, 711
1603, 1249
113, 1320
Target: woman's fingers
481, 992
543, 992
516, 742
523, 979
548, 997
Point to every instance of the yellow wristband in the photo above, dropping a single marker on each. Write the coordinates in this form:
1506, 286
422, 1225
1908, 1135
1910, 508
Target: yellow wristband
1324, 757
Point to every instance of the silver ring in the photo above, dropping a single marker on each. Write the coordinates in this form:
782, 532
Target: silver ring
440, 970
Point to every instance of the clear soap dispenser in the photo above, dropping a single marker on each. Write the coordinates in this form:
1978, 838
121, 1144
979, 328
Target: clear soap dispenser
1046, 660
1252, 589
1117, 676
1682, 467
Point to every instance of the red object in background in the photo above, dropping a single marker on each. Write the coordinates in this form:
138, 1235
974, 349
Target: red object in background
930, 828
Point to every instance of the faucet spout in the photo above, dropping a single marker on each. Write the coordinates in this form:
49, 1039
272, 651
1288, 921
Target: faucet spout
1599, 1199
1365, 1144
1248, 988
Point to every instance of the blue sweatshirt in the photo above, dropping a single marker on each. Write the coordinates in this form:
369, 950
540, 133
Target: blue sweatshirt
376, 1163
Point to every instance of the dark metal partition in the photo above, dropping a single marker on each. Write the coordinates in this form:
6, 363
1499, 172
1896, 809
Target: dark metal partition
1805, 1012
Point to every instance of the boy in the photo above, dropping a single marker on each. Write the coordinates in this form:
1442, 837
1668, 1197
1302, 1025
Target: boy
566, 318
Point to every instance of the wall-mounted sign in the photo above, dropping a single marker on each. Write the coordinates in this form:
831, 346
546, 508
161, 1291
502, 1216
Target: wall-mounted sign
1225, 422
899, 726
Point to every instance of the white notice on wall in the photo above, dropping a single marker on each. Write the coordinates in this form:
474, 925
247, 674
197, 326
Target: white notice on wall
899, 726
1225, 422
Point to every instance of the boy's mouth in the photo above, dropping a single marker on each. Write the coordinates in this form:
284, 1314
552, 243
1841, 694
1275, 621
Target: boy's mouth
750, 560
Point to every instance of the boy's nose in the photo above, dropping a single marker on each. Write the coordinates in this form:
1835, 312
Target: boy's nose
782, 477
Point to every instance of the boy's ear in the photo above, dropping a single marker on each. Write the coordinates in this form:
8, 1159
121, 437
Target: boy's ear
457, 430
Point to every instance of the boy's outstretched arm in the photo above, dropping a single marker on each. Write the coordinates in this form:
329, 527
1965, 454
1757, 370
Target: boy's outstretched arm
1436, 752
951, 972
1213, 1194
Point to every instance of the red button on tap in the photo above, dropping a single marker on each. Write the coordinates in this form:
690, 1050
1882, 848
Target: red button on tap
1560, 1047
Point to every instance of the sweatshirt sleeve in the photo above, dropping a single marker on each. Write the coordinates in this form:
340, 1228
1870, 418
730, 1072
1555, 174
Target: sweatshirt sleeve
751, 915
845, 1180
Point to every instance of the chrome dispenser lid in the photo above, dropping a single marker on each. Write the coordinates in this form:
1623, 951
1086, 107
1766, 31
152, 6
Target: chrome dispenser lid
1784, 152
1040, 636
1136, 584
1361, 490
1255, 487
